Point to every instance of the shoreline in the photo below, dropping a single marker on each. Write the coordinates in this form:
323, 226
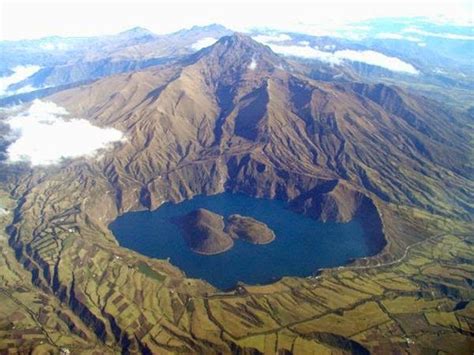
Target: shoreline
210, 254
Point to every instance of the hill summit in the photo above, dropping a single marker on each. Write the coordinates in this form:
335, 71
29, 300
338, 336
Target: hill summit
237, 53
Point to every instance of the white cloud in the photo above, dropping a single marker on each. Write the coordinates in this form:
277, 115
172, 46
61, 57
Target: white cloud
282, 37
253, 64
438, 34
203, 43
330, 29
368, 57
303, 43
43, 135
305, 52
50, 46
329, 47
22, 90
398, 36
20, 73
378, 59
26, 89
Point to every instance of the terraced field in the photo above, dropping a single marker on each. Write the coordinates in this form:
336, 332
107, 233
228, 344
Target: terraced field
419, 302
31, 318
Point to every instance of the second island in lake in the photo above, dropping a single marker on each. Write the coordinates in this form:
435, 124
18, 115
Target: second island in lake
208, 233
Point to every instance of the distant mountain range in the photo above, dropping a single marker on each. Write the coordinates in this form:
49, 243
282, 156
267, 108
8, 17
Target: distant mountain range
440, 66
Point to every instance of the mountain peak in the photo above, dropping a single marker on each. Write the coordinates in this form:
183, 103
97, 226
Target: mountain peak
213, 30
212, 26
240, 50
241, 39
136, 32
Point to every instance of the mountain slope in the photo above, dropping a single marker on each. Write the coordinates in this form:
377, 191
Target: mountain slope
374, 136
237, 117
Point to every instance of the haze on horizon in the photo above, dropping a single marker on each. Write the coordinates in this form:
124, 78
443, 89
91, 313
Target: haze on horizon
28, 20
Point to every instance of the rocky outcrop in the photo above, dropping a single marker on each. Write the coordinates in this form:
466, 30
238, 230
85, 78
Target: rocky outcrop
249, 229
204, 232
208, 233
330, 201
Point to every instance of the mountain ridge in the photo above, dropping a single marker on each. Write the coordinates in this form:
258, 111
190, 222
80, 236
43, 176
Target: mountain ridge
250, 110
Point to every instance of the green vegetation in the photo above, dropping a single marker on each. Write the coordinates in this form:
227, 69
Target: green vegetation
31, 319
148, 271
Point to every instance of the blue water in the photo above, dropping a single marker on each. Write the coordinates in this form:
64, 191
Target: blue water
302, 244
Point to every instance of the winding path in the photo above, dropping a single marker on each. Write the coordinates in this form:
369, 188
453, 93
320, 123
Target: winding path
393, 262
